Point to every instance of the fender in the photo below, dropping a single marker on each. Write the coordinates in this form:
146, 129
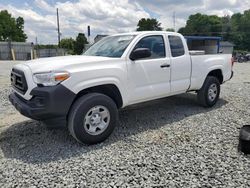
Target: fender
215, 67
210, 69
97, 82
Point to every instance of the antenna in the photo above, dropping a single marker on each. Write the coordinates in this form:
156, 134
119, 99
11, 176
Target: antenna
58, 27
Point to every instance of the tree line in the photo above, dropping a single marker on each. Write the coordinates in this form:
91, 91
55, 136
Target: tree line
73, 46
235, 28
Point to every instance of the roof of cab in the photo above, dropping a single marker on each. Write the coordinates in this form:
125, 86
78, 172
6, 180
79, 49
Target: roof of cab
145, 32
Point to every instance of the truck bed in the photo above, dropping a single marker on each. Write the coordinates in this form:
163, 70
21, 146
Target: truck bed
203, 64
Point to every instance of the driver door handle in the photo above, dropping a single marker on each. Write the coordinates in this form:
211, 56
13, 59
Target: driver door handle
165, 65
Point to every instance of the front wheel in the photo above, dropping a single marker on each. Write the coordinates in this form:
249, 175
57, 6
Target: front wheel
92, 118
209, 94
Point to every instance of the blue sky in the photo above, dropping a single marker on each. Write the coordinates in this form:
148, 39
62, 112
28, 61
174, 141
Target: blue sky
108, 16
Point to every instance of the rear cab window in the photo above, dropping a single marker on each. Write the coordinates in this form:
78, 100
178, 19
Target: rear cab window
176, 46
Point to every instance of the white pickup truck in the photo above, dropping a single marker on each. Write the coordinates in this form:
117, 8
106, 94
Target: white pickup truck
85, 92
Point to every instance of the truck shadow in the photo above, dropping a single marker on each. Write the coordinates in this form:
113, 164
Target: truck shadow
32, 142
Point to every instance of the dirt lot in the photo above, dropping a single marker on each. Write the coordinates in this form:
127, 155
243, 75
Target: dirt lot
171, 142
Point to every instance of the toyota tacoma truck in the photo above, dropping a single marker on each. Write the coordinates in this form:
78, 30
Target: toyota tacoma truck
84, 92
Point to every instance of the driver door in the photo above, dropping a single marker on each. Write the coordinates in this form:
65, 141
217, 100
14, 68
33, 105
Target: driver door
149, 78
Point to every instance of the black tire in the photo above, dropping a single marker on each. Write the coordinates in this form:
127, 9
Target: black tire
78, 113
203, 94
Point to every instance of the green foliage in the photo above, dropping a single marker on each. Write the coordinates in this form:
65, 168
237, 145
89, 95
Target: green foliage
149, 24
235, 29
243, 52
201, 24
68, 44
80, 42
182, 30
46, 46
243, 31
170, 29
11, 28
226, 27
72, 46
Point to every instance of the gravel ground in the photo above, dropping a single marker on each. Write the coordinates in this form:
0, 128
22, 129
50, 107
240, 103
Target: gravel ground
170, 142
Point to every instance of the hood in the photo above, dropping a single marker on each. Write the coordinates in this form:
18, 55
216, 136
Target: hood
59, 63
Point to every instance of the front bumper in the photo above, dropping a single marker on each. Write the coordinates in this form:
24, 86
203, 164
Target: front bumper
46, 102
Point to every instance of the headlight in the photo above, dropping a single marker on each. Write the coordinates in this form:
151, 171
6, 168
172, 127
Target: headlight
50, 78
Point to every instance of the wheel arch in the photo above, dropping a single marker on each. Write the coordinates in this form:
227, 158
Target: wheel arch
111, 90
217, 73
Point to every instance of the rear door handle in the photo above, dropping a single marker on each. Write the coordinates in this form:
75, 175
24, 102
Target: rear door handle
165, 65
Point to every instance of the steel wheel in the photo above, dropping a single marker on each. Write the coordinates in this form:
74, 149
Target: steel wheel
212, 92
209, 94
96, 120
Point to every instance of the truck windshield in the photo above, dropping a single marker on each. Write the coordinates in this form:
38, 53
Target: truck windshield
113, 46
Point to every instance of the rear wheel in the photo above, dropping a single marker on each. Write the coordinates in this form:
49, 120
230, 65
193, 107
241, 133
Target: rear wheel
208, 95
92, 118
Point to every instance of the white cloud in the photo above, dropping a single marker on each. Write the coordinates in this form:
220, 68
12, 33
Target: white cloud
44, 5
36, 25
111, 16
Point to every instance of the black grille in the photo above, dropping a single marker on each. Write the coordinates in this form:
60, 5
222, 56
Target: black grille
18, 81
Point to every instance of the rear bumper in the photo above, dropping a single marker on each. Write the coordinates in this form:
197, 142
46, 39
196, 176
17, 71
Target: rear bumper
46, 103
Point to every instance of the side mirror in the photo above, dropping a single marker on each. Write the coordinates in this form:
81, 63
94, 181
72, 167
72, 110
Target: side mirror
140, 53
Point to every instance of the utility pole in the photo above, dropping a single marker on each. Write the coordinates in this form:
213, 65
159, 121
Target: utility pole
174, 20
88, 33
58, 27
